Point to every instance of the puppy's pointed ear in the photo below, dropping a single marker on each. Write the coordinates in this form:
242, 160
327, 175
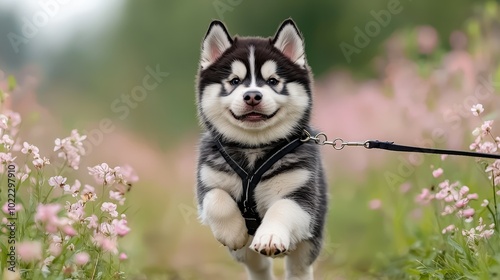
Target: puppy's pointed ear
217, 40
289, 41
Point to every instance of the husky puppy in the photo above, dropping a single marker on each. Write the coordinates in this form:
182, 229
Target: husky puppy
254, 100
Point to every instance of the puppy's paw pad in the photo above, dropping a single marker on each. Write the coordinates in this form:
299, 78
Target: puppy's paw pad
270, 245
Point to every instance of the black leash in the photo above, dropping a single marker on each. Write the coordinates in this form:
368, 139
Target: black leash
339, 144
249, 180
400, 148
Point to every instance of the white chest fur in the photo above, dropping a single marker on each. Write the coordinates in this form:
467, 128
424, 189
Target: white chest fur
266, 193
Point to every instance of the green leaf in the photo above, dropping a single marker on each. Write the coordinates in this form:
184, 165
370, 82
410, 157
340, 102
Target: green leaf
455, 245
12, 82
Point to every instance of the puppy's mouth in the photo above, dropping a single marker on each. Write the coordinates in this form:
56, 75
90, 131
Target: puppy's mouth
253, 116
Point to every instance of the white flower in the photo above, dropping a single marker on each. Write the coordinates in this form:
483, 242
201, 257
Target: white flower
477, 109
485, 203
3, 121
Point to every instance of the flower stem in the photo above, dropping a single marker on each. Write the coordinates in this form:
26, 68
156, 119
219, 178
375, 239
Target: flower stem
494, 199
95, 267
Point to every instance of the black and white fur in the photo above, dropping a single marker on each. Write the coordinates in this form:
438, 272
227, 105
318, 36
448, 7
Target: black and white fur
254, 92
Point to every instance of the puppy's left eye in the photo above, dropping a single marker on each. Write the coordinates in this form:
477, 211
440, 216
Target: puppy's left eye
272, 82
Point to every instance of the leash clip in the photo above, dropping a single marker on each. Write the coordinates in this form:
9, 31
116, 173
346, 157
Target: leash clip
337, 143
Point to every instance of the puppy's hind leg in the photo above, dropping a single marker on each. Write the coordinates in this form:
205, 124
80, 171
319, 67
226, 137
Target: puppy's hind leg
297, 263
258, 267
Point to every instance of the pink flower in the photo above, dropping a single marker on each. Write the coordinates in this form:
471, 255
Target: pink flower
468, 213
107, 229
449, 228
57, 181
93, 221
427, 39
39, 162
494, 170
477, 109
77, 141
447, 210
29, 149
424, 197
69, 230
472, 196
71, 148
103, 174
6, 141
81, 258
14, 118
121, 228
404, 188
129, 174
6, 158
375, 204
464, 190
76, 211
107, 244
487, 147
117, 196
477, 141
461, 203
55, 249
18, 207
29, 251
47, 213
486, 127
123, 257
487, 233
73, 190
109, 208
438, 172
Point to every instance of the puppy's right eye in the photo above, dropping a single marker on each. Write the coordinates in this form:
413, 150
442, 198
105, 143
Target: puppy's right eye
235, 81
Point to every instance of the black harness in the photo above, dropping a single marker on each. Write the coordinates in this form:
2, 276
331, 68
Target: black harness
250, 179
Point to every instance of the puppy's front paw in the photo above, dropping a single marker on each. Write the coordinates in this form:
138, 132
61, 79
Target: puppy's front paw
271, 243
221, 213
232, 233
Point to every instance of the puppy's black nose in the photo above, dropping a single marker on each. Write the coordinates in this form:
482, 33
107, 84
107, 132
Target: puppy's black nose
252, 98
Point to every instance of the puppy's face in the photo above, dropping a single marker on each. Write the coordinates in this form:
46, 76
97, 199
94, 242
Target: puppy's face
254, 90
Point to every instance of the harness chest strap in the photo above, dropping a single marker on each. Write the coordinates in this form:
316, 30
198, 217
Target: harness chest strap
247, 204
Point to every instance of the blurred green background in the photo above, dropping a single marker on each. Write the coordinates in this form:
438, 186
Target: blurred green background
88, 54
102, 52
